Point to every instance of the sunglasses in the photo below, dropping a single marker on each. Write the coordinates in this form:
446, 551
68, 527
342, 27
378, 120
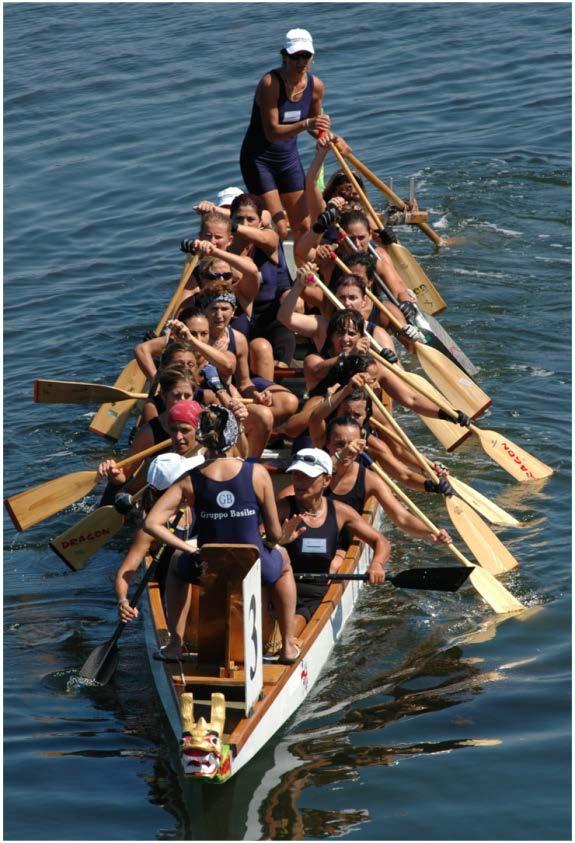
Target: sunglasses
309, 460
300, 56
213, 276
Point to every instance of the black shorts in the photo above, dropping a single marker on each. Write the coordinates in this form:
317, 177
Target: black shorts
308, 599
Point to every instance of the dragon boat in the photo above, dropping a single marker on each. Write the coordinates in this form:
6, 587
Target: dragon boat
225, 700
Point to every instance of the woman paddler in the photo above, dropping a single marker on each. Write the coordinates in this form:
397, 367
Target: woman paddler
287, 102
230, 497
318, 549
164, 470
177, 387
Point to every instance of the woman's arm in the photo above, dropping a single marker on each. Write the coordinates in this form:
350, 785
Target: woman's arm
265, 239
303, 323
144, 353
348, 517
130, 564
164, 510
264, 490
400, 516
224, 361
267, 95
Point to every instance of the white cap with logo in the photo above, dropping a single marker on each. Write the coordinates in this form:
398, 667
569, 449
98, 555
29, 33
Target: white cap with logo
227, 196
312, 461
298, 40
165, 469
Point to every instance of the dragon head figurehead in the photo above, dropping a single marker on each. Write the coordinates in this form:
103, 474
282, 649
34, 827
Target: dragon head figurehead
201, 743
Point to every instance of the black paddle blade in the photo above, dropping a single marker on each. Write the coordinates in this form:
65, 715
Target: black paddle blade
431, 579
101, 664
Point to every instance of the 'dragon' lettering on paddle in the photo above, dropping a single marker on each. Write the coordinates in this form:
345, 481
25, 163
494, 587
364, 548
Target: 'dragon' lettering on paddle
517, 460
89, 537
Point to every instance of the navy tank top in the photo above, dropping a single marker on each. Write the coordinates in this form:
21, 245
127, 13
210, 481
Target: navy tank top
313, 550
356, 495
227, 510
158, 432
256, 144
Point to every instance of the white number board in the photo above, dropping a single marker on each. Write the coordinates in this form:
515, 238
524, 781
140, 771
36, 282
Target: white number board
252, 597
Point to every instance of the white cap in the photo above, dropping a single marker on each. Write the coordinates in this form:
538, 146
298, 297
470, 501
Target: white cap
312, 461
227, 196
298, 40
165, 469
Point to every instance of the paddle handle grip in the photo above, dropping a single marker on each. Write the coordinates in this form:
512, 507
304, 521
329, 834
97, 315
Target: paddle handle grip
392, 196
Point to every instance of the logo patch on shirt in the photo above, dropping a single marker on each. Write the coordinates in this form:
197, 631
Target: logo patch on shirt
291, 116
314, 545
225, 499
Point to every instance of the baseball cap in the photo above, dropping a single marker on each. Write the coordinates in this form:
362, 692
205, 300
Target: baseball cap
185, 411
298, 40
165, 469
312, 461
227, 196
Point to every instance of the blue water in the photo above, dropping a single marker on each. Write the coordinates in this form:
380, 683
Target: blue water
433, 720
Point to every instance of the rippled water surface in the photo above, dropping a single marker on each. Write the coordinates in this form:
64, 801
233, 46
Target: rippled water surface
434, 719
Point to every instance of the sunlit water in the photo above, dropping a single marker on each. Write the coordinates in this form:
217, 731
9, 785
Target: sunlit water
433, 720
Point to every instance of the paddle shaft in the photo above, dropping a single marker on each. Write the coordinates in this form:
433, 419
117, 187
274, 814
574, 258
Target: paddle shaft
111, 644
354, 182
400, 434
75, 392
392, 196
172, 306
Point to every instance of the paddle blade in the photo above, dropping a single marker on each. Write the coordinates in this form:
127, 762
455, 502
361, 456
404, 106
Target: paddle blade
431, 579
489, 551
79, 543
101, 664
455, 385
436, 336
493, 592
111, 418
450, 435
517, 462
484, 506
74, 392
428, 298
34, 505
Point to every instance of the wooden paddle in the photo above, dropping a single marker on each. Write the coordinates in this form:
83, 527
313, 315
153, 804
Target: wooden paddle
486, 507
76, 545
34, 505
427, 296
393, 197
434, 333
448, 378
513, 459
102, 662
489, 551
80, 542
111, 418
493, 592
427, 579
76, 392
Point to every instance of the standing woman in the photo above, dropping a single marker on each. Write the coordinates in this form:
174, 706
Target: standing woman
287, 101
